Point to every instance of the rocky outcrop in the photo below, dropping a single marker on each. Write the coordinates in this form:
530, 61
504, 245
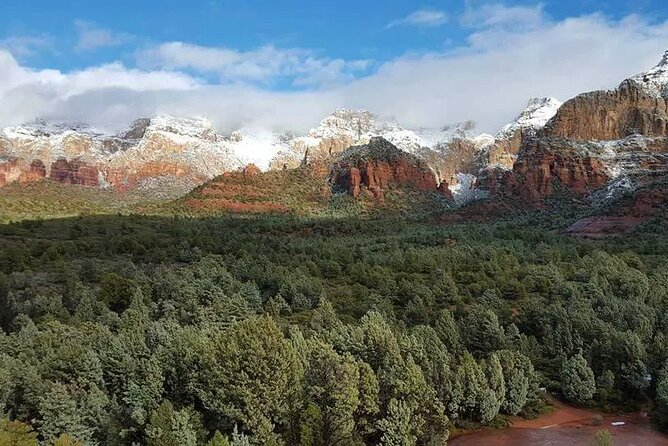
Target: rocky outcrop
638, 107
10, 171
35, 172
617, 139
13, 170
611, 115
378, 166
251, 170
74, 172
545, 167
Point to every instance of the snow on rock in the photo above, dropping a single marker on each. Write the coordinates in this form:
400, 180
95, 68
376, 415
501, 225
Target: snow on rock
655, 80
534, 117
182, 130
256, 146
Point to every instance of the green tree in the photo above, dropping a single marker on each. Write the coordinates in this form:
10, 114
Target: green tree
61, 414
369, 405
249, 375
577, 380
497, 385
169, 427
517, 373
603, 438
218, 440
396, 427
15, 433
332, 384
67, 440
117, 291
448, 332
481, 330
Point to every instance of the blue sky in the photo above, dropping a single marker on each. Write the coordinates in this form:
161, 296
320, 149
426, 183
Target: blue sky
348, 29
284, 63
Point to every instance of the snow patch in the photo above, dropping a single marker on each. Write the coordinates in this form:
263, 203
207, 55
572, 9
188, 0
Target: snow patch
534, 117
655, 80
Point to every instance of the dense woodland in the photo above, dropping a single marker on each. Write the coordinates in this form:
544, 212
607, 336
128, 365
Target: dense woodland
124, 330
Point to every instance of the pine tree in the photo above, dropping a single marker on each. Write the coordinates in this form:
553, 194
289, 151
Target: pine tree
168, 427
218, 440
15, 433
332, 384
577, 380
517, 374
60, 414
396, 427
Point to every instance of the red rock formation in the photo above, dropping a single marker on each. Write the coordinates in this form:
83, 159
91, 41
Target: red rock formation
14, 170
35, 172
610, 115
9, 171
251, 169
74, 172
123, 179
542, 168
379, 165
444, 189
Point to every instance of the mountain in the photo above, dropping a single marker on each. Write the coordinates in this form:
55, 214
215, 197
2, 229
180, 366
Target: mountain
598, 146
165, 156
161, 154
380, 164
373, 177
454, 153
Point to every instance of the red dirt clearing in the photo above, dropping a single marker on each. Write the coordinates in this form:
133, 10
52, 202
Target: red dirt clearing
604, 226
568, 426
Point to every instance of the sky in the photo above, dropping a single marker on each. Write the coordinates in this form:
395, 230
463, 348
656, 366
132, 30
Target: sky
286, 64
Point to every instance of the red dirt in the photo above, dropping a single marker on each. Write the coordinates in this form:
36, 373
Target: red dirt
596, 227
567, 426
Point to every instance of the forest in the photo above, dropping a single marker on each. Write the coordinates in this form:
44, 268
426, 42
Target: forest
277, 330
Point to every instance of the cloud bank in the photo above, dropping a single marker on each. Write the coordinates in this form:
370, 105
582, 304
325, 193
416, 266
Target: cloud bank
511, 54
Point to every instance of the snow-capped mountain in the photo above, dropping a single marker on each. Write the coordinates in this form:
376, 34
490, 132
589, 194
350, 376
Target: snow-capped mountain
533, 118
164, 149
654, 81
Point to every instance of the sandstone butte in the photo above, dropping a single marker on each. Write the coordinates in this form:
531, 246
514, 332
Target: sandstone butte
380, 165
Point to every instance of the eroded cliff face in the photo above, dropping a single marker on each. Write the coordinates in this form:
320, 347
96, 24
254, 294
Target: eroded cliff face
603, 142
544, 166
378, 166
74, 172
611, 115
14, 170
172, 152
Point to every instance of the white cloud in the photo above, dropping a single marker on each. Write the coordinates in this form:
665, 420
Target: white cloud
92, 37
264, 65
488, 80
422, 18
26, 46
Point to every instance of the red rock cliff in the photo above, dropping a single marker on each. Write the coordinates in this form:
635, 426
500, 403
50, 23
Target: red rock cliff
544, 166
379, 165
610, 115
74, 172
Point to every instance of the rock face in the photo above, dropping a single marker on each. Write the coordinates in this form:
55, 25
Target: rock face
639, 106
611, 115
448, 150
508, 142
380, 165
11, 171
162, 149
545, 167
74, 172
603, 142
